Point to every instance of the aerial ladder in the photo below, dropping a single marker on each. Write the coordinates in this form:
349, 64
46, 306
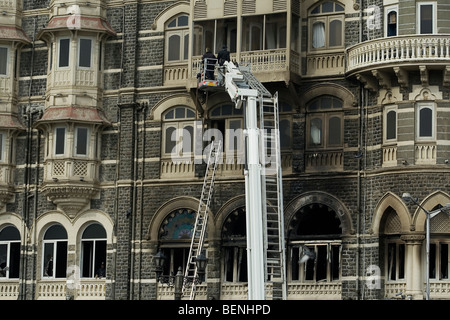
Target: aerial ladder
201, 221
263, 180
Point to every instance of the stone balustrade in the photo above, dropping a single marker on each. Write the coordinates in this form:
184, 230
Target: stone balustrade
396, 50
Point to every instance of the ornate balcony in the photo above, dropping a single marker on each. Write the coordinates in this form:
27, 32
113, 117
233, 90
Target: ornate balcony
373, 61
266, 65
70, 183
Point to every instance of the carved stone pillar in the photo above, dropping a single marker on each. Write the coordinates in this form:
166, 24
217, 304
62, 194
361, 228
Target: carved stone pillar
413, 268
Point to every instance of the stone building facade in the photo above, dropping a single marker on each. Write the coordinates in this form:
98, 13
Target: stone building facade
94, 97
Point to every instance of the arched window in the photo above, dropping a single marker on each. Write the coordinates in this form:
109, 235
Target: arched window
93, 251
439, 262
54, 253
390, 122
234, 247
391, 27
395, 247
175, 236
315, 244
227, 123
177, 39
425, 121
178, 132
9, 252
325, 122
327, 26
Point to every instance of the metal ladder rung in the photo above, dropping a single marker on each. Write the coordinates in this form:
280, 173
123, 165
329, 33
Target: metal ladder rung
201, 220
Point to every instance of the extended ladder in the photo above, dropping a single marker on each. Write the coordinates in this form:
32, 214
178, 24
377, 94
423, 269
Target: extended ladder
271, 185
201, 220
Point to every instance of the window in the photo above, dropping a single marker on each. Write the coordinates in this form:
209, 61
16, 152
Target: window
390, 124
285, 130
227, 124
222, 31
315, 262
275, 32
327, 26
425, 121
54, 254
178, 132
60, 141
252, 33
9, 252
2, 146
395, 261
3, 61
175, 237
325, 124
315, 245
439, 260
426, 17
391, 21
50, 55
177, 36
85, 53
64, 53
93, 251
81, 141
235, 247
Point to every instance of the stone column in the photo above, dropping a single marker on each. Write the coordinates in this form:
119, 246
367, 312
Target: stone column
213, 270
413, 267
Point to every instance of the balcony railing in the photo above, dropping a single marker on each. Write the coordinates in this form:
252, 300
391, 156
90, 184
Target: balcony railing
389, 156
87, 289
401, 49
166, 292
425, 153
325, 64
229, 167
9, 290
68, 77
267, 64
332, 160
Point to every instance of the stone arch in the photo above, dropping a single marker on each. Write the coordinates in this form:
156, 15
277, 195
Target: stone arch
224, 211
216, 99
395, 202
318, 197
430, 202
169, 12
13, 219
92, 216
52, 217
168, 102
333, 89
171, 205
